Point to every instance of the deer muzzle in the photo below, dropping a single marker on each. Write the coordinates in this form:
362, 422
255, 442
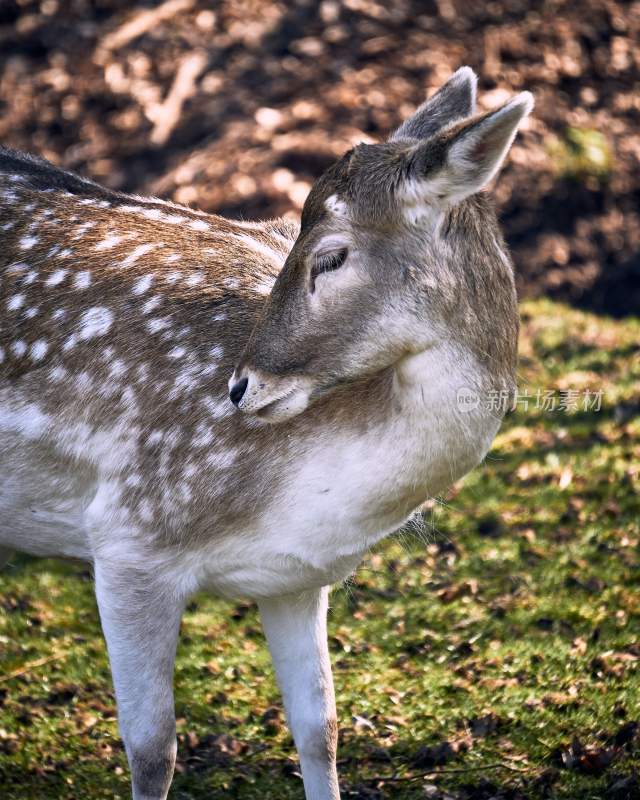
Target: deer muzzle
268, 397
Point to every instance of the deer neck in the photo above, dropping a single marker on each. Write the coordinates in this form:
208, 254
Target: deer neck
422, 382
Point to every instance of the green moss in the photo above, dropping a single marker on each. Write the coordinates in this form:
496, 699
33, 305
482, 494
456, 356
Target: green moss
582, 153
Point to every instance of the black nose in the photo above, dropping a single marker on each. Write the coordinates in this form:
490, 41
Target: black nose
237, 391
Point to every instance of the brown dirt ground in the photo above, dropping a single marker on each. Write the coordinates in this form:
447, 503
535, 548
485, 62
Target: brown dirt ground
236, 106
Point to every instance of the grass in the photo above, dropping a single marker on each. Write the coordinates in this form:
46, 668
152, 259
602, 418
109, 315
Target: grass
498, 648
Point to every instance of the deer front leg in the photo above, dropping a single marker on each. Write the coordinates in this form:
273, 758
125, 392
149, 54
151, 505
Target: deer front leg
141, 618
296, 630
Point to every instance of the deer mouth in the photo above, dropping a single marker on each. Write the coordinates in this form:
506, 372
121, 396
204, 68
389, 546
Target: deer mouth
269, 398
290, 404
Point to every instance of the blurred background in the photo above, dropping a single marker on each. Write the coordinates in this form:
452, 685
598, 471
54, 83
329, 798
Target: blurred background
236, 106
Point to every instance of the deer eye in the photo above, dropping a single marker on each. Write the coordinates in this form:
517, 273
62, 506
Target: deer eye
327, 262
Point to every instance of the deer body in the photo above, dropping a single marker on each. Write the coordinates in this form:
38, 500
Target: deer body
122, 320
87, 448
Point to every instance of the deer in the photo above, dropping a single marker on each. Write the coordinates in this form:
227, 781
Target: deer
191, 403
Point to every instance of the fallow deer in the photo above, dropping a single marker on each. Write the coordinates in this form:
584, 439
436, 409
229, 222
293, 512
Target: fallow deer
348, 342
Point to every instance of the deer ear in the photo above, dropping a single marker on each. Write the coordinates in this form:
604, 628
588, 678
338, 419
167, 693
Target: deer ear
473, 153
454, 101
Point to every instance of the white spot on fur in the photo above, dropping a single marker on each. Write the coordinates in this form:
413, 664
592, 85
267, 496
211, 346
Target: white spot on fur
195, 279
185, 381
208, 369
161, 216
30, 313
82, 280
95, 322
15, 302
108, 389
218, 408
177, 352
203, 436
59, 314
221, 459
57, 374
152, 304
190, 470
158, 324
19, 348
172, 438
117, 368
155, 437
39, 350
185, 492
27, 242
56, 277
128, 398
138, 252
142, 285
83, 381
109, 241
81, 229
172, 258
199, 225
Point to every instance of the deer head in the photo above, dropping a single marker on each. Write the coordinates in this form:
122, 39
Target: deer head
391, 251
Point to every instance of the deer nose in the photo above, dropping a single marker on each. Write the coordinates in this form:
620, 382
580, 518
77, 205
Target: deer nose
236, 393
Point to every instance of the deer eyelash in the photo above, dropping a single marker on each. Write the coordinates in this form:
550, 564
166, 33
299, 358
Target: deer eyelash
328, 262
